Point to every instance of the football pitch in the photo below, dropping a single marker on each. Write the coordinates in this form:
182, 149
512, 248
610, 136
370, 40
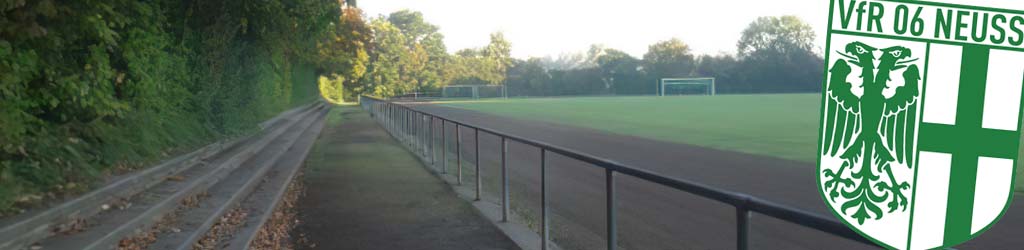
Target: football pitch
777, 125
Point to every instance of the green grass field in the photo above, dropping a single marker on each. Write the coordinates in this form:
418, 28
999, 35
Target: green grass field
778, 125
783, 126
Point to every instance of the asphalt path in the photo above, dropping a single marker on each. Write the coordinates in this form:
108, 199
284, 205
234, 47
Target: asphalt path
651, 216
364, 191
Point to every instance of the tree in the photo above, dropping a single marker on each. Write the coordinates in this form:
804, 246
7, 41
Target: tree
411, 24
407, 54
527, 78
427, 59
342, 54
724, 68
499, 51
565, 61
669, 58
388, 56
438, 71
779, 35
778, 53
595, 51
487, 65
621, 73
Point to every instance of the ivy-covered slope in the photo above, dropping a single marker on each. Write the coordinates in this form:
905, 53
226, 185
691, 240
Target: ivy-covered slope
93, 87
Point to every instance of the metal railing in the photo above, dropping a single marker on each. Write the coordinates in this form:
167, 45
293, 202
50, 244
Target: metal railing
416, 129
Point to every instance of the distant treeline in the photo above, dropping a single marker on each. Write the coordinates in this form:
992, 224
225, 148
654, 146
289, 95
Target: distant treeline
775, 55
91, 87
406, 54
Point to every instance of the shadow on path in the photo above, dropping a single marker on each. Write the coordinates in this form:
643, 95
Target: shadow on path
364, 191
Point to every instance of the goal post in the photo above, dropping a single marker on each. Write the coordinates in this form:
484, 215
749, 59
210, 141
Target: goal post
685, 86
474, 91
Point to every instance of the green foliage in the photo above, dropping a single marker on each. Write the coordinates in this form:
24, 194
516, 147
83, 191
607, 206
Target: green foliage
781, 35
332, 89
669, 59
343, 52
304, 85
408, 54
725, 70
412, 25
528, 77
776, 55
91, 86
389, 56
622, 74
483, 66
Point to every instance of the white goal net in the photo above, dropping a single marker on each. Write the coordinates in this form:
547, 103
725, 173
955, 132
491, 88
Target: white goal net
473, 91
686, 86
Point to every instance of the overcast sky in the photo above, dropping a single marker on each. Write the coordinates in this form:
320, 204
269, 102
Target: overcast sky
551, 27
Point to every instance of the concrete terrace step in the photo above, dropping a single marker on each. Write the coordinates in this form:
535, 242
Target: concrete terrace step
134, 201
262, 203
27, 228
109, 227
225, 195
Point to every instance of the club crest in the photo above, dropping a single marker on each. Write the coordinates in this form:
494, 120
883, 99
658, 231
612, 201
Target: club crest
920, 126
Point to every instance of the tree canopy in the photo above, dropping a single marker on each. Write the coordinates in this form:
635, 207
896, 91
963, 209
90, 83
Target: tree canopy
776, 35
778, 55
670, 58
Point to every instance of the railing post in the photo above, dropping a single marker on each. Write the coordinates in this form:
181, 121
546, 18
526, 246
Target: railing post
412, 130
458, 153
415, 133
543, 201
423, 134
433, 153
476, 139
405, 126
504, 181
742, 227
409, 126
609, 183
419, 135
444, 146
422, 131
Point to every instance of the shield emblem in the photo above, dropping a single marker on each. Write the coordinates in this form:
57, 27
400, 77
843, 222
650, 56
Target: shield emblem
919, 135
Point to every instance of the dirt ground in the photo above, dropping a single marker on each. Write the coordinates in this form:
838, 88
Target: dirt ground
653, 216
